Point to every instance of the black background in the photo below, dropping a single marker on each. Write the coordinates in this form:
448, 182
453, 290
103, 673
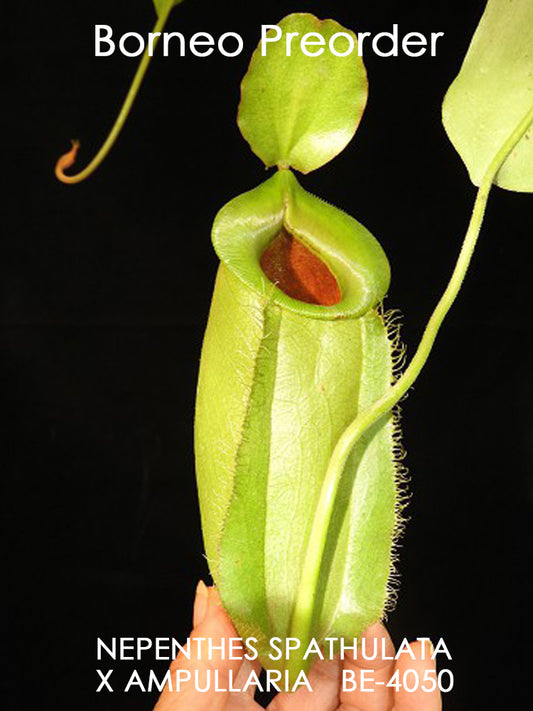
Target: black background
105, 294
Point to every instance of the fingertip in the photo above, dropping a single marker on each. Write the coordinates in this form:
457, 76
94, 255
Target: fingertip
215, 606
201, 600
214, 596
422, 651
379, 632
376, 629
209, 613
422, 665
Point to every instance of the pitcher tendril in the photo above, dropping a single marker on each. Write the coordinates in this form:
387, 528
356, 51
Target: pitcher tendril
68, 159
303, 609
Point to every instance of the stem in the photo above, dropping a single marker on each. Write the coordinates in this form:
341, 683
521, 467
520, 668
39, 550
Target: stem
303, 608
68, 159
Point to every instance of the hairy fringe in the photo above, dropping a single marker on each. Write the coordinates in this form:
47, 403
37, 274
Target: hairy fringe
392, 320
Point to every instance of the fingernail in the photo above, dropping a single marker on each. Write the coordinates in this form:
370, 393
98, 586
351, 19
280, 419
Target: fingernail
200, 604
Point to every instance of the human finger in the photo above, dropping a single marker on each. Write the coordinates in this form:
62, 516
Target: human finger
364, 682
417, 689
244, 699
324, 679
197, 670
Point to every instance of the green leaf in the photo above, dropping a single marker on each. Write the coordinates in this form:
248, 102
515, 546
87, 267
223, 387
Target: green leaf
300, 111
493, 92
165, 6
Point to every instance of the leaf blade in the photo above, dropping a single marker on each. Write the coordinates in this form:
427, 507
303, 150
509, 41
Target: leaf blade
492, 92
300, 111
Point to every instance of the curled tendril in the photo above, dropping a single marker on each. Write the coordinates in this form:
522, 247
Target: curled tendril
68, 159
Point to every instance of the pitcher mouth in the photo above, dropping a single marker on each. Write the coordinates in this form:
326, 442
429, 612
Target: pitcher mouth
301, 253
299, 272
